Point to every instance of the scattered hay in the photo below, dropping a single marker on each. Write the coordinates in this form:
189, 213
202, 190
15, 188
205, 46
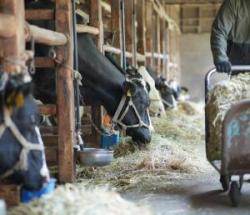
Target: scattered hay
174, 154
221, 98
190, 108
78, 200
127, 146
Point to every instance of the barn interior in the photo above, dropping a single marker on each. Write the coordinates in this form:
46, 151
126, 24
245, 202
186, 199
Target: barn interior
98, 164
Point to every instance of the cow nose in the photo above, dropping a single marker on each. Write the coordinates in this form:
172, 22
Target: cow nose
45, 180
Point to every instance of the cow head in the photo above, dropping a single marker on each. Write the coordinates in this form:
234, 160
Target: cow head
22, 157
168, 93
132, 113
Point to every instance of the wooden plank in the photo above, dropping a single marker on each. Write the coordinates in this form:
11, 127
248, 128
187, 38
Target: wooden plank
96, 21
141, 19
87, 29
149, 32
115, 23
45, 36
48, 109
39, 14
44, 62
158, 43
139, 57
129, 29
65, 95
14, 47
51, 155
187, 2
10, 193
7, 20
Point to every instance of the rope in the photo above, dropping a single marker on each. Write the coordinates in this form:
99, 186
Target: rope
22, 163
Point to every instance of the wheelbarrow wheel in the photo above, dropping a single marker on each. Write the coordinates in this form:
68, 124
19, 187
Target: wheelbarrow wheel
234, 194
224, 180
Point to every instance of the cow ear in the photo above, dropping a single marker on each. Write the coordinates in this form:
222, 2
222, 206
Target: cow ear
129, 88
148, 86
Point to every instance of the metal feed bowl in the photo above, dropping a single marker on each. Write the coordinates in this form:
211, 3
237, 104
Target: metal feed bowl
95, 157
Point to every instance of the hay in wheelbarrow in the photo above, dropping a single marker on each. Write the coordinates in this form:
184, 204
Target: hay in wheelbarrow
76, 199
221, 98
173, 155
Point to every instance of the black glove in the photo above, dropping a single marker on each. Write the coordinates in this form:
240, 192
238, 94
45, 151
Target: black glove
223, 66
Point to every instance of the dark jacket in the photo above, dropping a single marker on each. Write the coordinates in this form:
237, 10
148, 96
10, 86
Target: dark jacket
230, 38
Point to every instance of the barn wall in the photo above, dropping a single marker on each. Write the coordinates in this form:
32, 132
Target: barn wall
196, 60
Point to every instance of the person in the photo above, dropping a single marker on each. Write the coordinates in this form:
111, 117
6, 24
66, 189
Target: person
230, 36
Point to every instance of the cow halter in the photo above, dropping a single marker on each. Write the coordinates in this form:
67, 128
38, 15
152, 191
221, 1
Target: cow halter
22, 163
119, 115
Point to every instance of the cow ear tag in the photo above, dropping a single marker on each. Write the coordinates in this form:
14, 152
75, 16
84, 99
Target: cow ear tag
129, 93
19, 100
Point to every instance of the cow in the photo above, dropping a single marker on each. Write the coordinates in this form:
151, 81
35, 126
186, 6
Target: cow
124, 97
171, 92
22, 157
156, 106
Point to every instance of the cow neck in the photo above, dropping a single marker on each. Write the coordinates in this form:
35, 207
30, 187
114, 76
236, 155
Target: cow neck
99, 74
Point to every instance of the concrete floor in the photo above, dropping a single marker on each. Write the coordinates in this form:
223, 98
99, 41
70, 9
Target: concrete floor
199, 194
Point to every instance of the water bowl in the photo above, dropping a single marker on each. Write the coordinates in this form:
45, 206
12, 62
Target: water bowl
27, 196
94, 157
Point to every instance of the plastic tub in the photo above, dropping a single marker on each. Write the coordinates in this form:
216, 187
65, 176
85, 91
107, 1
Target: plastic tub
27, 196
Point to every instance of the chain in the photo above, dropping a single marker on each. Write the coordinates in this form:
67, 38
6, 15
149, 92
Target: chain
99, 131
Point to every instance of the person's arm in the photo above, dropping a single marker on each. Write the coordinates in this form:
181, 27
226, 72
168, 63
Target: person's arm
221, 28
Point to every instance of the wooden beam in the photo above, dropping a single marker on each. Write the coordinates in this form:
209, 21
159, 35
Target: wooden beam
96, 21
129, 29
192, 1
149, 32
65, 94
43, 14
11, 194
87, 29
44, 62
14, 47
141, 29
7, 20
45, 36
115, 22
111, 49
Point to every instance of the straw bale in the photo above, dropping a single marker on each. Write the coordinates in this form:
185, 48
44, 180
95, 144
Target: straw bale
221, 98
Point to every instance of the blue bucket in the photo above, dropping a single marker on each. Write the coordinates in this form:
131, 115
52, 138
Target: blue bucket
27, 196
108, 142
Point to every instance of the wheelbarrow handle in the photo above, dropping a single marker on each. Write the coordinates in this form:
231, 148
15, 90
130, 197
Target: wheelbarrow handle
211, 72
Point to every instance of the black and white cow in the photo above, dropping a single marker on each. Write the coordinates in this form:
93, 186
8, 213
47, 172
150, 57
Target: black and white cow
22, 157
171, 92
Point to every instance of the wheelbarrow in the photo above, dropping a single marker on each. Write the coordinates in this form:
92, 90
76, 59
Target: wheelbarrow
234, 162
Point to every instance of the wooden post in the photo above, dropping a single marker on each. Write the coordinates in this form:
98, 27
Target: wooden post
149, 33
65, 94
14, 47
96, 21
141, 20
115, 22
129, 22
158, 44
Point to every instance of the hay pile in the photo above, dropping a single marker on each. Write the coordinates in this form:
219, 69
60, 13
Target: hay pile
78, 200
173, 154
221, 98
